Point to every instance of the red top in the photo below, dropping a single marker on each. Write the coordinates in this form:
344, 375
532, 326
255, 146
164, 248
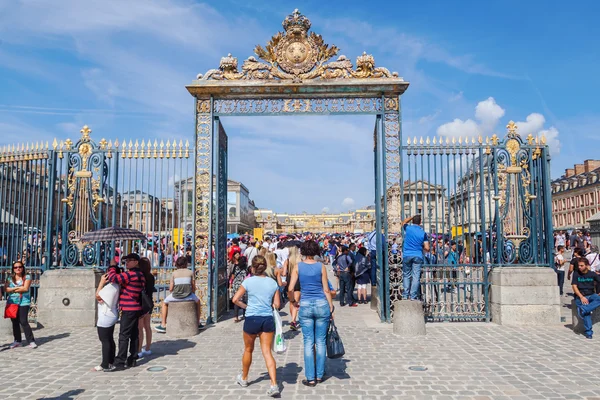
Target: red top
132, 282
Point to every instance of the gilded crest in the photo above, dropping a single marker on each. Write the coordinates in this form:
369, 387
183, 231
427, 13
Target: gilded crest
297, 55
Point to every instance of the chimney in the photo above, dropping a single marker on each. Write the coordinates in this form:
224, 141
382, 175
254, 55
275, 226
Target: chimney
569, 172
579, 169
590, 165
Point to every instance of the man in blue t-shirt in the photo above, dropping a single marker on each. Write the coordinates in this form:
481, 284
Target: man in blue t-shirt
415, 242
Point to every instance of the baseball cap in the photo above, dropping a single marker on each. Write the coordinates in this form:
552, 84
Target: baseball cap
132, 256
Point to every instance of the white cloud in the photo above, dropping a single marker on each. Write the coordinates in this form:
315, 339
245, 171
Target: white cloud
459, 127
554, 144
487, 113
325, 210
347, 203
532, 124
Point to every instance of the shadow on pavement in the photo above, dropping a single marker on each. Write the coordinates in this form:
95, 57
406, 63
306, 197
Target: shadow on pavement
167, 348
39, 340
71, 394
337, 368
288, 373
45, 339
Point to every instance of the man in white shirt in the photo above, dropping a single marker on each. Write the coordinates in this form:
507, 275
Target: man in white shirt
560, 239
559, 265
282, 254
251, 252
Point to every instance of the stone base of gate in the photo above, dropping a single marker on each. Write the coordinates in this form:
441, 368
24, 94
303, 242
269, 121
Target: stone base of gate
67, 298
409, 318
524, 296
374, 298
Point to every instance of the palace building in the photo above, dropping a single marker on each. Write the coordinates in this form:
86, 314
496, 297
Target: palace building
358, 221
576, 195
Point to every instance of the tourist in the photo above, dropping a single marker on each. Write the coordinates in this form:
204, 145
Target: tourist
594, 258
316, 309
343, 263
415, 243
238, 274
292, 264
182, 288
17, 288
235, 248
107, 295
251, 251
263, 295
144, 321
363, 266
371, 241
586, 286
559, 266
352, 254
132, 282
577, 254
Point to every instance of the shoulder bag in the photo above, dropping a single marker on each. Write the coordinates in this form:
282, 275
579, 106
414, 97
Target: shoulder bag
335, 347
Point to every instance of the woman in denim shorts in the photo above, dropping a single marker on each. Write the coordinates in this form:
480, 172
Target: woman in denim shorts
263, 295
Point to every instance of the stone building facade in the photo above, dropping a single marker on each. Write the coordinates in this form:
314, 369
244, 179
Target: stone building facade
358, 221
576, 196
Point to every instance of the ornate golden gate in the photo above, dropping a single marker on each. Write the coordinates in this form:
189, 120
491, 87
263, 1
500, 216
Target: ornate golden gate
294, 75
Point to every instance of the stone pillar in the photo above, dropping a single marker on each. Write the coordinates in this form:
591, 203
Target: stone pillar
67, 298
525, 296
374, 298
578, 322
409, 318
182, 319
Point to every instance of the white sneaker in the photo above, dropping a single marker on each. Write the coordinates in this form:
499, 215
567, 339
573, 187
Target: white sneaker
33, 345
240, 381
15, 345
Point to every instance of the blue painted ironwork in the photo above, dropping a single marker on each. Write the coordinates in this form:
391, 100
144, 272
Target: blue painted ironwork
494, 199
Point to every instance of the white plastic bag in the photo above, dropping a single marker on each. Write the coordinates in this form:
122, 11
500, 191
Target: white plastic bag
279, 346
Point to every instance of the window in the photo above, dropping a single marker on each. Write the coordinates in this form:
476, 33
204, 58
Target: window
419, 197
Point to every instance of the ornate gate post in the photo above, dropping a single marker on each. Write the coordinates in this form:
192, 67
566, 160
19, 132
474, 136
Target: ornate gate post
202, 255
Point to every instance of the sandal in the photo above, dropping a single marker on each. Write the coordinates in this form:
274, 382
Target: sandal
323, 379
309, 383
237, 320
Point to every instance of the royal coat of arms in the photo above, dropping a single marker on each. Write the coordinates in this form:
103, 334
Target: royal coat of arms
297, 55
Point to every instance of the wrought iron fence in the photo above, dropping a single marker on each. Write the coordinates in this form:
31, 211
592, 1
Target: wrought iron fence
484, 203
51, 196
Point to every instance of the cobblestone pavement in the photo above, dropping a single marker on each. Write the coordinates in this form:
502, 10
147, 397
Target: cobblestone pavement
463, 361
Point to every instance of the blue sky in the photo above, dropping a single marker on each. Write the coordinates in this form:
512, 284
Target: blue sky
121, 68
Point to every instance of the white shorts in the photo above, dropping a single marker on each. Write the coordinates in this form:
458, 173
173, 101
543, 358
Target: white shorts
362, 286
171, 299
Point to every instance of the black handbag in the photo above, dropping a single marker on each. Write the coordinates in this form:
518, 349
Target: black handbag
335, 347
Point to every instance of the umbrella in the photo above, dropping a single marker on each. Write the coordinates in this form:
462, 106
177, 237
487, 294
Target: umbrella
113, 233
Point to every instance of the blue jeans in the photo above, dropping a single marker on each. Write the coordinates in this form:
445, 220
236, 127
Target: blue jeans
411, 277
373, 267
314, 319
585, 311
346, 295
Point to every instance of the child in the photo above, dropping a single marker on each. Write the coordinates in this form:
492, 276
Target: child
182, 288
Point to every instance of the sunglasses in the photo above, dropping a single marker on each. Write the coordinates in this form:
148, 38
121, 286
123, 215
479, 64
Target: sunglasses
18, 266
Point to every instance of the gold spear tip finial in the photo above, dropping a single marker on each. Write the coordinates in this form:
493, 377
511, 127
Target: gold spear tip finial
85, 131
512, 128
